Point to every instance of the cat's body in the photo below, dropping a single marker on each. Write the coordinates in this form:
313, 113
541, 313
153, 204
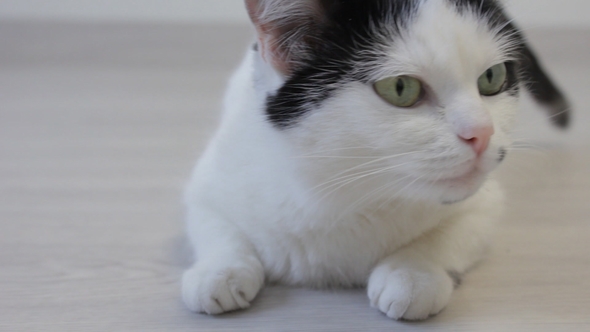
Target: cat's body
314, 180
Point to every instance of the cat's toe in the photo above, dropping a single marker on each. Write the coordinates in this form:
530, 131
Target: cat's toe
216, 291
410, 293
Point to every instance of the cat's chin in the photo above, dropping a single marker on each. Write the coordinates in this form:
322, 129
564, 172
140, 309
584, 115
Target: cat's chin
455, 201
456, 196
456, 190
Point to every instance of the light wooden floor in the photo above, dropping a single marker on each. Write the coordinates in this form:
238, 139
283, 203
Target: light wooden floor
100, 126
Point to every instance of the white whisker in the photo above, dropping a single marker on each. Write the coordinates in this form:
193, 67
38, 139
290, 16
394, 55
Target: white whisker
341, 175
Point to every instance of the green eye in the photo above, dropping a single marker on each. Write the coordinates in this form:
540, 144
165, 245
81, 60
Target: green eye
493, 80
401, 91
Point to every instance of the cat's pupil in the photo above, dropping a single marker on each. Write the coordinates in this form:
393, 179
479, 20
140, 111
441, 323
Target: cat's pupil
399, 87
490, 75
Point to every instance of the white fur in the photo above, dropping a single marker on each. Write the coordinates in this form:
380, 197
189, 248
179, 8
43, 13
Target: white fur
352, 194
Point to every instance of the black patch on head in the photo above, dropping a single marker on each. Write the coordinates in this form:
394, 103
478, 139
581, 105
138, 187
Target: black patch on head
339, 48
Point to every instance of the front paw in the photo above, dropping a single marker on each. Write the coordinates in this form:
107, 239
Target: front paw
409, 290
213, 290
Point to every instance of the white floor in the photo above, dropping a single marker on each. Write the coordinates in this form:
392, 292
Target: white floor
99, 127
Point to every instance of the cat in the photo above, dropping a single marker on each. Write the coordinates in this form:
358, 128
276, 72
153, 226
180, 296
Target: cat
355, 150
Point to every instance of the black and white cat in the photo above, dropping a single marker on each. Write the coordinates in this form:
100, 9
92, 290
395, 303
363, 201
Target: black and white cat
355, 150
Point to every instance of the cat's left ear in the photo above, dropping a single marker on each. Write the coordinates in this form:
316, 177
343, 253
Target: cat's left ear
286, 29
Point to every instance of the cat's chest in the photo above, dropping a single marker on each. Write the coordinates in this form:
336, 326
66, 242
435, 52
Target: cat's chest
343, 254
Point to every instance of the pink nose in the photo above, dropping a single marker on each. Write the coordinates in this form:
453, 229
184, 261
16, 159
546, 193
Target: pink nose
479, 138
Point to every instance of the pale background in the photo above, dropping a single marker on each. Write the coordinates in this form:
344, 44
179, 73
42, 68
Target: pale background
105, 106
530, 13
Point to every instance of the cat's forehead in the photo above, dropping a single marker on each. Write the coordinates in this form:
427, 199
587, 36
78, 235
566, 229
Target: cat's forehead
441, 36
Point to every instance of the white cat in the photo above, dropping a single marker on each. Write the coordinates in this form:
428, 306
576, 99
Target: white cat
355, 149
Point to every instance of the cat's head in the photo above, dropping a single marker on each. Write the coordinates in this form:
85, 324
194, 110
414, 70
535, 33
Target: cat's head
415, 98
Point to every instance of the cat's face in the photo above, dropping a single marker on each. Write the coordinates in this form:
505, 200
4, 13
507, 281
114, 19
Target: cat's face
423, 152
396, 98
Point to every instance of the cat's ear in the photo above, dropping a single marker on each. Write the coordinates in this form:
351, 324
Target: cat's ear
543, 90
286, 29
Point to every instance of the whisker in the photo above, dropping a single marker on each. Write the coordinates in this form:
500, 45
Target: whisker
338, 177
372, 194
335, 157
342, 181
342, 184
344, 149
393, 194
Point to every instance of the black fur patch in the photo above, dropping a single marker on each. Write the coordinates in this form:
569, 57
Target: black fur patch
544, 90
337, 49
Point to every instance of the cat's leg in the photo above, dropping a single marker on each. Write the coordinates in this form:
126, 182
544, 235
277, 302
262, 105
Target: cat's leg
228, 274
417, 281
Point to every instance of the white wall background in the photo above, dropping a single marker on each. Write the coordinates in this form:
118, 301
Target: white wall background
529, 13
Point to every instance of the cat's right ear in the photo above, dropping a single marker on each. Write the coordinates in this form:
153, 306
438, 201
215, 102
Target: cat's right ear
285, 29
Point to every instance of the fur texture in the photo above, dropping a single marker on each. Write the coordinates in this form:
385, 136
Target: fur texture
313, 180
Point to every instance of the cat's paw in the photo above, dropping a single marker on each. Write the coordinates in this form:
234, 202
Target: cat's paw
213, 290
410, 291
